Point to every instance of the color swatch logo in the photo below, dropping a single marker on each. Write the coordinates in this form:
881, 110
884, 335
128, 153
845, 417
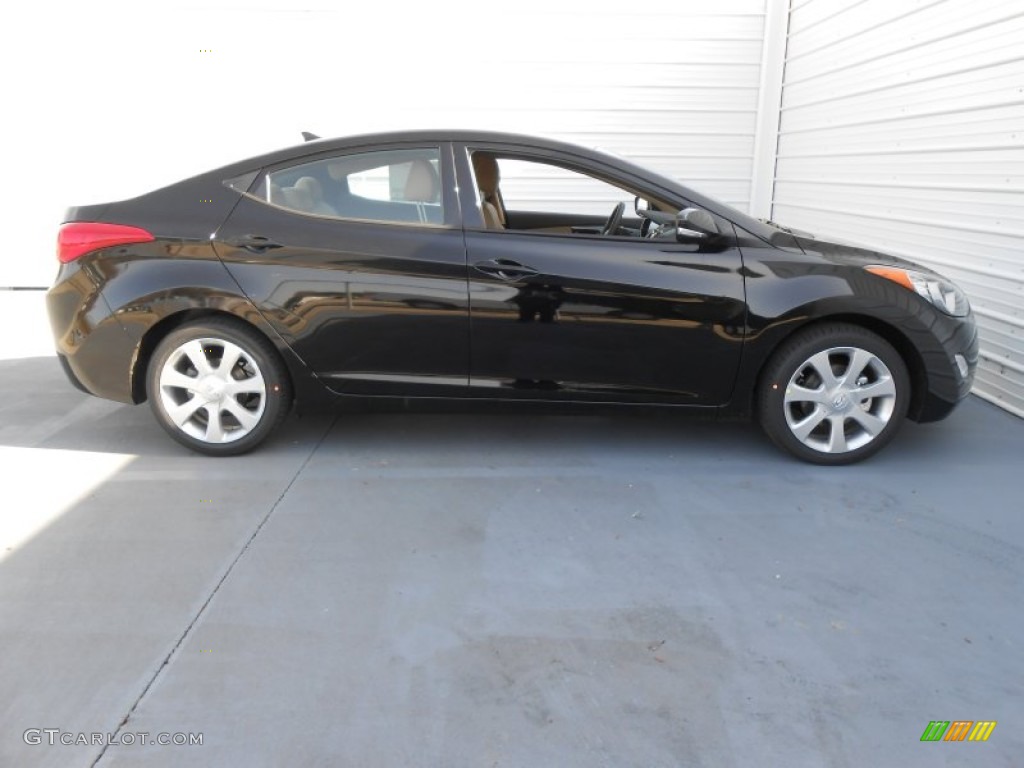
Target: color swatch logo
958, 730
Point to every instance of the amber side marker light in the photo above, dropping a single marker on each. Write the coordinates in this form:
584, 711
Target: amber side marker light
893, 273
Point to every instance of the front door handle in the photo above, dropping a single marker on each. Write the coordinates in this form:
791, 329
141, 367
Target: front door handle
254, 243
505, 269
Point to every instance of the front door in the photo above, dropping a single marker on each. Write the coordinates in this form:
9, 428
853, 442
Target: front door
562, 310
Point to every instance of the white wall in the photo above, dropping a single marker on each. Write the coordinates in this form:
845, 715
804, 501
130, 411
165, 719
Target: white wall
902, 122
903, 129
114, 99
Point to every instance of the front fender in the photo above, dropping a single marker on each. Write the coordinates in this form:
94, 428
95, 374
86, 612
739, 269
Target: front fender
779, 308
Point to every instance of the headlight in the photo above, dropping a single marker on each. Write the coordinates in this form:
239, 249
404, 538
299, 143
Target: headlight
943, 294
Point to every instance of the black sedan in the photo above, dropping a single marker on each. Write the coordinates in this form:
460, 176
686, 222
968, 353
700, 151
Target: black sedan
443, 265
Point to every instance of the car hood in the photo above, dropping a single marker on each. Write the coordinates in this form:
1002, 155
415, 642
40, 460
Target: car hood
853, 255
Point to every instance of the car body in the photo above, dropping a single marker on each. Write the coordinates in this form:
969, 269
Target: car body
392, 265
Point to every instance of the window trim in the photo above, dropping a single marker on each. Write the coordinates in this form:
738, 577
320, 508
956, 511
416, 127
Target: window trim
449, 200
575, 163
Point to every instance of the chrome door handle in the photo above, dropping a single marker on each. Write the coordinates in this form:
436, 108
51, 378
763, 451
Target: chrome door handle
254, 243
505, 269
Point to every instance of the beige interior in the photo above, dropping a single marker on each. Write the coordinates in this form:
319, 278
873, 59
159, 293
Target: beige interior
485, 167
422, 185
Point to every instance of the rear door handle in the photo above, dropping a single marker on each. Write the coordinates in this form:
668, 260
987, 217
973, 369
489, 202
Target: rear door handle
505, 269
254, 243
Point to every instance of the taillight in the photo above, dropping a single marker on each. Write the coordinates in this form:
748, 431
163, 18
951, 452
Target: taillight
80, 237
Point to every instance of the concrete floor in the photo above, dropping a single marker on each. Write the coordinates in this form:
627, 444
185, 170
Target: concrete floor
498, 590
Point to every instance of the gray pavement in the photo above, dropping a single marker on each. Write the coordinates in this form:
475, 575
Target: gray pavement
490, 589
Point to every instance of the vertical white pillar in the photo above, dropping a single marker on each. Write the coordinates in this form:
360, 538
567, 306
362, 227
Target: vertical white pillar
769, 107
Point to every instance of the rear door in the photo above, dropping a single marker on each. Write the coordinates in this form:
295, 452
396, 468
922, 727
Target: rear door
357, 259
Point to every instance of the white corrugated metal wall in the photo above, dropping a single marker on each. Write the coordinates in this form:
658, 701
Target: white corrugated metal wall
902, 128
902, 124
672, 85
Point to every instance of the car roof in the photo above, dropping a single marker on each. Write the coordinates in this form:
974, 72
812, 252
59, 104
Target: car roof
427, 135
316, 146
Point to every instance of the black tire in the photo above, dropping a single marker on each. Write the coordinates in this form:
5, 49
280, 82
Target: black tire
801, 407
241, 419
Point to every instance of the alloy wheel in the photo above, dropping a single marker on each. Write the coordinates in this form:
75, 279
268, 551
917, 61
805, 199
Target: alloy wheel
839, 400
213, 390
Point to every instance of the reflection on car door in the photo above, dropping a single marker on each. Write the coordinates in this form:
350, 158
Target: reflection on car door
600, 318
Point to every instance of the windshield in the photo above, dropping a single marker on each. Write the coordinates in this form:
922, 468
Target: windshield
756, 227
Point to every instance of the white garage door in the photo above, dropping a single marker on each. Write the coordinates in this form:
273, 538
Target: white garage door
903, 128
110, 105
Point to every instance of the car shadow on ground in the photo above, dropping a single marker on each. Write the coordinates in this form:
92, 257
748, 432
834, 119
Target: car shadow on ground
648, 554
42, 410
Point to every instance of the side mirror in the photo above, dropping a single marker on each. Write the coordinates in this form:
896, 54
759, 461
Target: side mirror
640, 205
695, 226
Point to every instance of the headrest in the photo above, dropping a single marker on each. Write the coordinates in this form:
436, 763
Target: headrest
297, 198
312, 186
337, 170
487, 174
421, 186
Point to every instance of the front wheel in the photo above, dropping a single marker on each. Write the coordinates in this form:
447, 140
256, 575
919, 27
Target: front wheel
217, 387
834, 394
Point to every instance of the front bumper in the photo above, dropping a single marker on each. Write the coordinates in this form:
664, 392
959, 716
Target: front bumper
954, 347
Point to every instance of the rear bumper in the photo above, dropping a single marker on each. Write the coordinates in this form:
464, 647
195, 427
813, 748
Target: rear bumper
70, 373
93, 348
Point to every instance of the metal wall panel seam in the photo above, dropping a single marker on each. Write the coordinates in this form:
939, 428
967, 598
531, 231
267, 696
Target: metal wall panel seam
904, 49
824, 19
905, 83
866, 30
769, 112
910, 150
909, 220
1005, 362
906, 185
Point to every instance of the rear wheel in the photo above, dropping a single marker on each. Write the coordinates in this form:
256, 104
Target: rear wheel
217, 387
834, 394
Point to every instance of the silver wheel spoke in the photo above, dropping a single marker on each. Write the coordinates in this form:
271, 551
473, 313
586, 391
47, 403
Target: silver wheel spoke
245, 417
250, 386
871, 423
883, 388
837, 440
214, 428
172, 378
182, 413
196, 355
859, 360
804, 427
227, 362
798, 394
823, 367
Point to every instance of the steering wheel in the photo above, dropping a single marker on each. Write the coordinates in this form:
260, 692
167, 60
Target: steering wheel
612, 225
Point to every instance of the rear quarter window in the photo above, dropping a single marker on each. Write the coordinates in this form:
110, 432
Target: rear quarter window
395, 185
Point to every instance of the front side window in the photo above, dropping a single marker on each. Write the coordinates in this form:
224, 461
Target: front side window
393, 185
527, 185
529, 194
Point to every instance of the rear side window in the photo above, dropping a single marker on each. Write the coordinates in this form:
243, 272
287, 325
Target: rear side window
396, 185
